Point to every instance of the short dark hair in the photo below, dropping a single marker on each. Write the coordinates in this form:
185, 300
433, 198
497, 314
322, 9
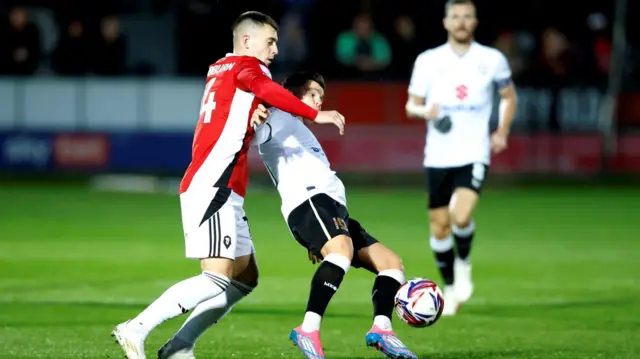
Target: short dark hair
298, 83
256, 18
450, 3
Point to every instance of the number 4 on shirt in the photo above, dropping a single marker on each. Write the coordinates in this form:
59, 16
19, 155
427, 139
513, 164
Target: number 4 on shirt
208, 102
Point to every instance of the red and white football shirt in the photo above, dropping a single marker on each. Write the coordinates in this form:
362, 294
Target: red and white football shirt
222, 136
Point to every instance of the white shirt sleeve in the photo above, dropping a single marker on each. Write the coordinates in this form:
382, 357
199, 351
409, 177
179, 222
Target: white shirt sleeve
263, 134
502, 74
419, 84
273, 124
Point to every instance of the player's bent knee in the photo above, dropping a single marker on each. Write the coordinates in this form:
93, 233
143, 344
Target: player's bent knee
439, 223
440, 231
390, 261
340, 244
245, 270
377, 258
463, 203
222, 266
462, 221
461, 218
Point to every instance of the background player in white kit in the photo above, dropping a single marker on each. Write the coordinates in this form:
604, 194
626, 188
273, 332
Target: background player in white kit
452, 87
315, 208
213, 188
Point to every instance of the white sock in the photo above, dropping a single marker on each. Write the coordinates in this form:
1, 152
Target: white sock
464, 231
382, 322
311, 322
180, 298
210, 312
396, 274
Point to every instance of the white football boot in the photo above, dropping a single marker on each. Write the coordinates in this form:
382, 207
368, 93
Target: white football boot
132, 342
451, 302
463, 284
174, 349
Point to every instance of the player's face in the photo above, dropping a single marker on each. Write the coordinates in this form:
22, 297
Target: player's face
461, 22
314, 95
263, 45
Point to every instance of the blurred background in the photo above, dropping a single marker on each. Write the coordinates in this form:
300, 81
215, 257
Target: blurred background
115, 85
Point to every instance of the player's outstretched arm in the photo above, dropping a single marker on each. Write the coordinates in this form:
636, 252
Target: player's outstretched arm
331, 117
269, 91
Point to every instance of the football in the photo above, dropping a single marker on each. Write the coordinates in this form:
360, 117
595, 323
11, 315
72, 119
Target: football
419, 302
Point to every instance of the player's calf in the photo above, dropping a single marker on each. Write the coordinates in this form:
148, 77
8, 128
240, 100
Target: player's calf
390, 276
442, 245
210, 312
463, 203
337, 255
462, 266
175, 301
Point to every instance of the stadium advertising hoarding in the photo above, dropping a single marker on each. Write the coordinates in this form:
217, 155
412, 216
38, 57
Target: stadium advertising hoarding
397, 149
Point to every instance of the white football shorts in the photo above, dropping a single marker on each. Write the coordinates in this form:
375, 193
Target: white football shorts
214, 224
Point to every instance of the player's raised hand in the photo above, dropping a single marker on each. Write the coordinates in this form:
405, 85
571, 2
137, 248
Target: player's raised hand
498, 142
259, 116
331, 117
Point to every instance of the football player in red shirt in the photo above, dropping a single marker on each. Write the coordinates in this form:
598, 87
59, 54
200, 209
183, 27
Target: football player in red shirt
212, 191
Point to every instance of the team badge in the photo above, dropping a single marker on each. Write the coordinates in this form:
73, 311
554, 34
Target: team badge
339, 223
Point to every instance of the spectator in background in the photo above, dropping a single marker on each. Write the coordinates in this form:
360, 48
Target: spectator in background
20, 48
71, 57
405, 47
506, 43
301, 7
363, 48
110, 51
560, 63
602, 46
292, 44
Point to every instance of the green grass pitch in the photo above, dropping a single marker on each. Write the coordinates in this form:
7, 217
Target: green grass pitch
556, 274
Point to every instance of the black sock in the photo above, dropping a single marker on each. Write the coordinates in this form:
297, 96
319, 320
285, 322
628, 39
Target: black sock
383, 293
464, 237
324, 285
445, 257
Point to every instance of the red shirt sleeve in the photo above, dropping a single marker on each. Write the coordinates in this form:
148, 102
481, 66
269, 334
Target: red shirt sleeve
254, 80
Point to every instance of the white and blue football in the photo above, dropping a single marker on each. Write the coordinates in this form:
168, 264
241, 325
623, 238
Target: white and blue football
419, 302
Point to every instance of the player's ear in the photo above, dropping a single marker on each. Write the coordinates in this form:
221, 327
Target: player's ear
245, 41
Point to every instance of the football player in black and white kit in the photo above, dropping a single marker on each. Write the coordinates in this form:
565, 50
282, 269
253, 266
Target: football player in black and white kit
314, 206
452, 87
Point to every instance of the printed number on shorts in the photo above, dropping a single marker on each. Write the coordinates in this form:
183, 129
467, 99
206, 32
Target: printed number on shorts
208, 102
478, 173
